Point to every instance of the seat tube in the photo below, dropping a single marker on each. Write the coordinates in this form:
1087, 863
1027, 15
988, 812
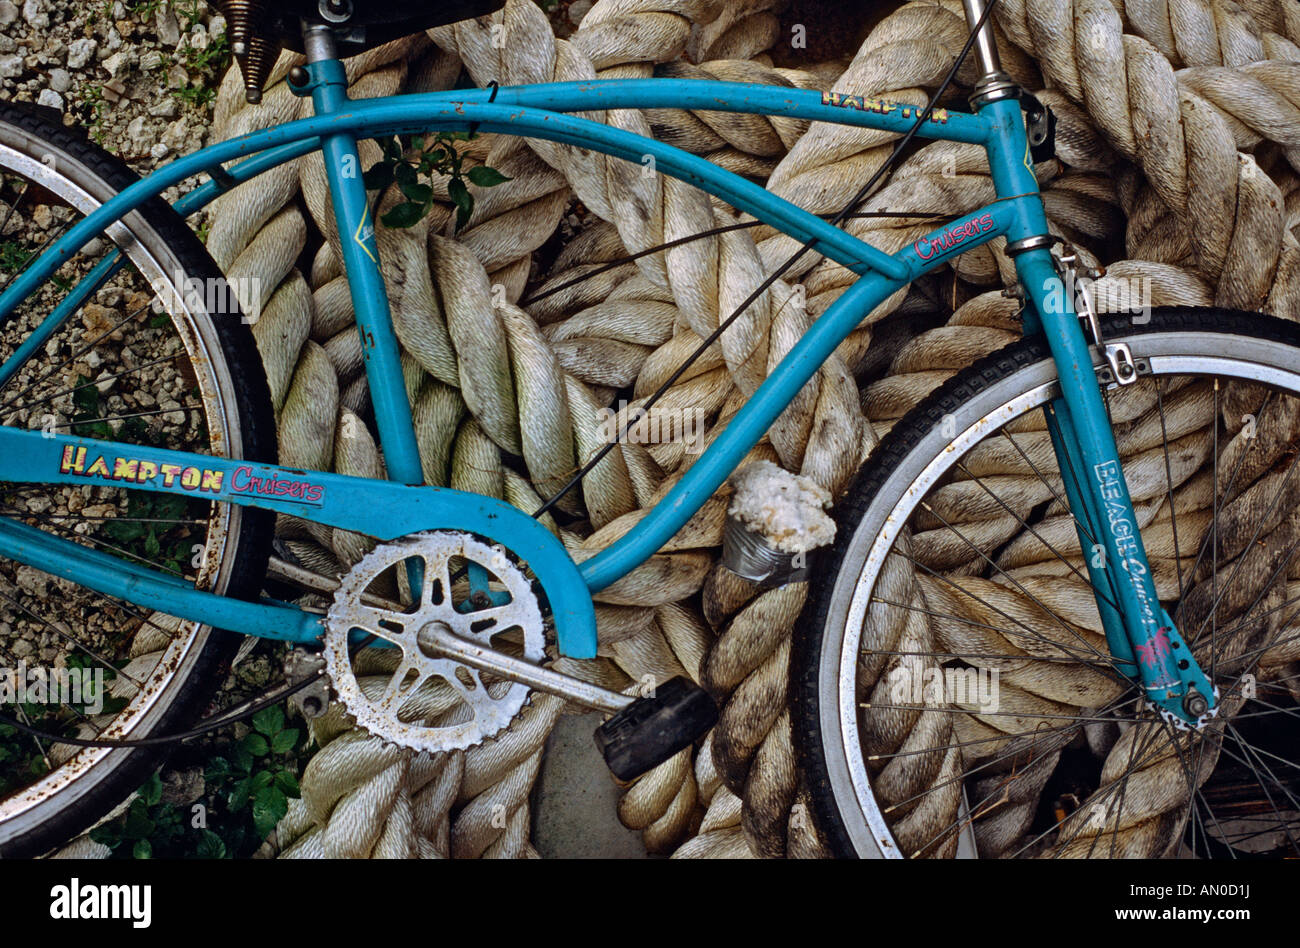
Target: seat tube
361, 257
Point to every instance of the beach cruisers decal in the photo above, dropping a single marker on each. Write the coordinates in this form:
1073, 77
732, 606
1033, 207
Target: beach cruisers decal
948, 238
200, 480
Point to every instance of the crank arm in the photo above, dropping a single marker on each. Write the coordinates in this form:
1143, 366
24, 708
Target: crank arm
470, 653
436, 638
643, 732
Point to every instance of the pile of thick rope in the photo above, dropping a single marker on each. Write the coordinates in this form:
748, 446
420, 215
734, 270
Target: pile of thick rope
1179, 137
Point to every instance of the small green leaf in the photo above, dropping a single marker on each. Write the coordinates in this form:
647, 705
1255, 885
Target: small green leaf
269, 721
142, 849
419, 193
392, 148
405, 174
288, 783
152, 789
262, 779
256, 745
218, 769
109, 834
486, 177
239, 793
404, 215
283, 742
463, 200
138, 825
210, 846
269, 807
378, 177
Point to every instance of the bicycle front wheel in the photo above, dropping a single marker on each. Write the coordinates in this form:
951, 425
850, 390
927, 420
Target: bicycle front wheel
952, 683
160, 356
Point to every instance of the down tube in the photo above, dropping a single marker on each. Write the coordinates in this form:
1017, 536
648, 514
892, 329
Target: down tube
932, 250
750, 424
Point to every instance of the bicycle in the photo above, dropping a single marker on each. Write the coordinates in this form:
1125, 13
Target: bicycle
465, 588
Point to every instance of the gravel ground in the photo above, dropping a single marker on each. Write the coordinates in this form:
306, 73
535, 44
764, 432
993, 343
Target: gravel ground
138, 76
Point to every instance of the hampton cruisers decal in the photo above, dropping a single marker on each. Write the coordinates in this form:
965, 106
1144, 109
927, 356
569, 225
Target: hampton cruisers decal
882, 106
78, 462
948, 238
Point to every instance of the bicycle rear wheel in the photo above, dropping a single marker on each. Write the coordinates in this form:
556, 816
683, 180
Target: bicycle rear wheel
953, 688
149, 359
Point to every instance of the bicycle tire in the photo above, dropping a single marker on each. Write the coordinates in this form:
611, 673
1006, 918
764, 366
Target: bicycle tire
853, 821
92, 176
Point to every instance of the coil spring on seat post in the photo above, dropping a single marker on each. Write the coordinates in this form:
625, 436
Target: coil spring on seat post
246, 22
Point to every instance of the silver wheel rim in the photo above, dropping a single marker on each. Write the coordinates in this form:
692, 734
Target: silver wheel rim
1168, 353
71, 781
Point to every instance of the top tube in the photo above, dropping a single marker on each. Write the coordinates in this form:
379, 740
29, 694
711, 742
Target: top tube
838, 107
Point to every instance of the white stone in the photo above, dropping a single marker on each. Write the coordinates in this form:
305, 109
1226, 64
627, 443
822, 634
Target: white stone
51, 98
80, 51
60, 80
159, 150
35, 15
8, 12
169, 31
117, 63
11, 67
135, 132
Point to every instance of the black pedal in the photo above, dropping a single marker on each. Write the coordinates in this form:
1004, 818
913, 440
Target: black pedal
650, 730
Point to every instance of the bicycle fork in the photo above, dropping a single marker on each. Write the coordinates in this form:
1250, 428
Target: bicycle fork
1143, 640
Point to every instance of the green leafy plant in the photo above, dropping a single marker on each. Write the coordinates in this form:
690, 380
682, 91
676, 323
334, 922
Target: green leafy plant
148, 825
259, 777
214, 57
247, 787
199, 96
21, 761
149, 528
191, 11
13, 256
427, 156
145, 9
208, 62
97, 109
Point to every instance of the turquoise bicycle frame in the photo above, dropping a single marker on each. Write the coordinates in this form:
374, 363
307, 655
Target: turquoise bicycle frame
1078, 422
